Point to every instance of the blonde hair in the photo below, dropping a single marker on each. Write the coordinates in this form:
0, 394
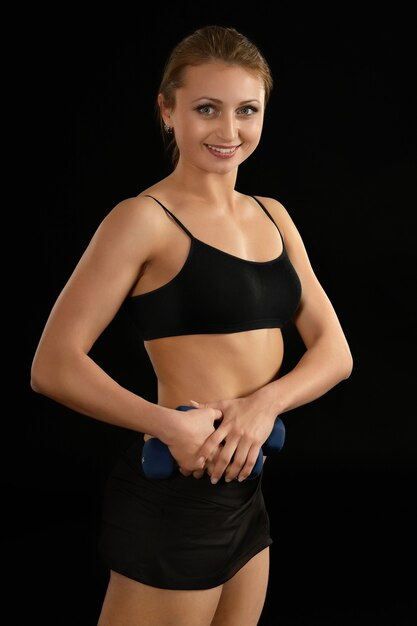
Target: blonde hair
209, 43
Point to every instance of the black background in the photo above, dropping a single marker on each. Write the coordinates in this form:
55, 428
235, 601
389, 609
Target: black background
338, 150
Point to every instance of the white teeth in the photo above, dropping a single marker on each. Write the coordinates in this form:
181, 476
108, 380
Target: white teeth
221, 150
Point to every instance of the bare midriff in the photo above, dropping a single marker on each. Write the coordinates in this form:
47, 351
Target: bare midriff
209, 368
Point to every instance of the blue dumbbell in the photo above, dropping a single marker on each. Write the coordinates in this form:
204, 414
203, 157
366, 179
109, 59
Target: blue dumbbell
158, 462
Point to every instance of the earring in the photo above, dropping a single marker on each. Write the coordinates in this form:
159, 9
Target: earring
167, 128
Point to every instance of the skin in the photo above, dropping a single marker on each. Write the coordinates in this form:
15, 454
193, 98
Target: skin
235, 376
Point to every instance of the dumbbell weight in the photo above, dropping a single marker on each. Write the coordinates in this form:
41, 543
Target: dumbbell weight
158, 462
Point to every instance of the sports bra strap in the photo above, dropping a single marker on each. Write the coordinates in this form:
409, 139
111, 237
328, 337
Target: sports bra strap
267, 212
180, 224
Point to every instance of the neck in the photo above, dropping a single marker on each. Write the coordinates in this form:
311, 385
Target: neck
208, 186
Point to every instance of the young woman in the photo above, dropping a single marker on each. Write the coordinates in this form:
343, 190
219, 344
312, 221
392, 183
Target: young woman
210, 276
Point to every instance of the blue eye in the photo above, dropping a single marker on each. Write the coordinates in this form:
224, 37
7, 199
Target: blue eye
205, 109
248, 110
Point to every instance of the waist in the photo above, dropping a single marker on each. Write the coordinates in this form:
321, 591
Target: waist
207, 368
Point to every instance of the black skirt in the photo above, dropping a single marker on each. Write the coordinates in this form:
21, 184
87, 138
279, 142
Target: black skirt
180, 532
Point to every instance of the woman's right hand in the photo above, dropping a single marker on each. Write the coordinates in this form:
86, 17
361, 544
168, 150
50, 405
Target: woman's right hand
198, 426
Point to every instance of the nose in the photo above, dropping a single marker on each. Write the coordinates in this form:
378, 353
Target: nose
228, 127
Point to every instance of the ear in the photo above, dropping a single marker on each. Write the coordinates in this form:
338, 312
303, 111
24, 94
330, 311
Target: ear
164, 110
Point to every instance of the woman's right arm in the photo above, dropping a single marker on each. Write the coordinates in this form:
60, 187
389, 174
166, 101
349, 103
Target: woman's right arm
123, 245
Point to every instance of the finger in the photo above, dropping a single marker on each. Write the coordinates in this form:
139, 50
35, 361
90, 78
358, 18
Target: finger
224, 457
217, 414
207, 405
210, 448
243, 463
198, 473
196, 404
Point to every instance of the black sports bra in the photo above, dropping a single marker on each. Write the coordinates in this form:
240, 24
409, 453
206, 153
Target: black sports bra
217, 292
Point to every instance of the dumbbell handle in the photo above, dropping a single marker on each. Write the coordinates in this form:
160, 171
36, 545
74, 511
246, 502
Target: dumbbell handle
158, 462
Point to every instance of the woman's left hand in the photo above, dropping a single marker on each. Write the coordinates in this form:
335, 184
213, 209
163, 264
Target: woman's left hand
246, 424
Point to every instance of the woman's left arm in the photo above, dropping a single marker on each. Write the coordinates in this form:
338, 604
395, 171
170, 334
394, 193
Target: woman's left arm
326, 361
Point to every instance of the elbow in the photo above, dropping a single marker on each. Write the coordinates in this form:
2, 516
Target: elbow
347, 369
37, 385
41, 376
37, 381
345, 364
339, 360
52, 372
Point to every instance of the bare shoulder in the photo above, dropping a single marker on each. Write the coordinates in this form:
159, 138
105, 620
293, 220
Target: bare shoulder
280, 214
294, 243
138, 221
139, 212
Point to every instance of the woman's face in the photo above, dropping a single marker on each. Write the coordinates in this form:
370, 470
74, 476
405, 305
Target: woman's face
218, 116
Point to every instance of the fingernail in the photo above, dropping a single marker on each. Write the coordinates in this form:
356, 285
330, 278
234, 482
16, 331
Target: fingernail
213, 481
201, 460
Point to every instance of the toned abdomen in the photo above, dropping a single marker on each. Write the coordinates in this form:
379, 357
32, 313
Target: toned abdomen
207, 368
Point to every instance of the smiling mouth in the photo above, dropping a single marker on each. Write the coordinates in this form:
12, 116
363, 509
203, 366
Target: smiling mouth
222, 151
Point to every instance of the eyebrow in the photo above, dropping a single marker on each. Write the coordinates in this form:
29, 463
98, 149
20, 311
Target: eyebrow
220, 102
